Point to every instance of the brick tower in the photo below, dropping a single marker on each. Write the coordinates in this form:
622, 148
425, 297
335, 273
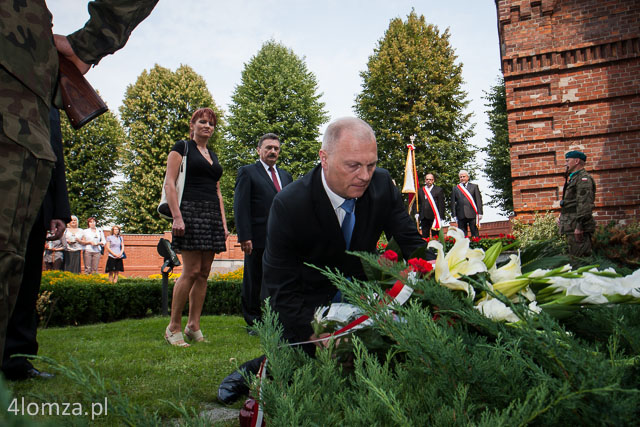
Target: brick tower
572, 78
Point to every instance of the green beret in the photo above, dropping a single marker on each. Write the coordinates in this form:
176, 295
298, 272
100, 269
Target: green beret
576, 155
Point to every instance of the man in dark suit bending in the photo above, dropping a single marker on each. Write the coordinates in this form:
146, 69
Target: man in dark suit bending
256, 186
310, 223
306, 221
431, 199
466, 204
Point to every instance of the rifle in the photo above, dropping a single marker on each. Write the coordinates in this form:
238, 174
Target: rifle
80, 101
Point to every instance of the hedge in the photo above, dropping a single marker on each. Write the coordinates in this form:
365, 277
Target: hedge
80, 300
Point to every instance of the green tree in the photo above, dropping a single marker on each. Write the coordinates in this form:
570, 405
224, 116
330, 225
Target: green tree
91, 160
277, 94
155, 113
413, 86
498, 165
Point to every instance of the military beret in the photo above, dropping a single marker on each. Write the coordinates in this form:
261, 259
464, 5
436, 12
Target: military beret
576, 155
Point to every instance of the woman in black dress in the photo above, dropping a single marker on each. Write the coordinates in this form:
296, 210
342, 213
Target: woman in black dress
199, 224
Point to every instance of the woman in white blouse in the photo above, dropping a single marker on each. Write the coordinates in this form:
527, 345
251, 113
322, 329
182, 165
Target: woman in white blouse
93, 241
73, 248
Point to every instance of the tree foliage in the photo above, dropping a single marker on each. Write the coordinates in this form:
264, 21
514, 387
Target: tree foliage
155, 114
277, 94
91, 160
498, 165
413, 86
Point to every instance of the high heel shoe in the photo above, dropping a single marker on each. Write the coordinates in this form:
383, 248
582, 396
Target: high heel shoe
175, 338
196, 336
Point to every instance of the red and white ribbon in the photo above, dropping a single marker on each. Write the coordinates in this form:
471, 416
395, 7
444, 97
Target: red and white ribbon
471, 201
432, 203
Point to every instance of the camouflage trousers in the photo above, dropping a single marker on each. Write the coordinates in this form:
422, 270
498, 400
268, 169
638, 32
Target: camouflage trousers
24, 180
579, 249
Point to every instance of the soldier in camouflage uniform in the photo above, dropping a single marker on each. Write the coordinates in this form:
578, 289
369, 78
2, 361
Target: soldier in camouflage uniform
578, 197
28, 76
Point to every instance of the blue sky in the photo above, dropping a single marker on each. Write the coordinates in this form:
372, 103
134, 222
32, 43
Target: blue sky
335, 37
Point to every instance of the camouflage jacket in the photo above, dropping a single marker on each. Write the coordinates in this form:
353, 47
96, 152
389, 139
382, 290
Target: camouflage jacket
29, 60
578, 203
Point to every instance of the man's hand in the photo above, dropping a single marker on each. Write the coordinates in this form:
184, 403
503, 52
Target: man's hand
64, 47
246, 246
479, 217
56, 229
579, 235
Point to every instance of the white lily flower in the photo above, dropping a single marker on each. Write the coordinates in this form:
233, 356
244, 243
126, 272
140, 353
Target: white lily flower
459, 261
533, 306
495, 309
507, 272
318, 316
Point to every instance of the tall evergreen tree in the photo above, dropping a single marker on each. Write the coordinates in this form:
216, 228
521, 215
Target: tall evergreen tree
277, 94
156, 113
91, 160
413, 86
498, 166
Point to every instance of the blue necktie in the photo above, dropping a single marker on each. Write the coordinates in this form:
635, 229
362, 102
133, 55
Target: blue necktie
349, 220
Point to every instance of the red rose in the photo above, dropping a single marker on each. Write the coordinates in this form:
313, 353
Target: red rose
420, 265
390, 255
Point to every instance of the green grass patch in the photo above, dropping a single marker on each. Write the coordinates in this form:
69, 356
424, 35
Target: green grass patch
132, 356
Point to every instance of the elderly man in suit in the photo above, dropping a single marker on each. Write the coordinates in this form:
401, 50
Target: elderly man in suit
466, 204
344, 203
256, 186
431, 199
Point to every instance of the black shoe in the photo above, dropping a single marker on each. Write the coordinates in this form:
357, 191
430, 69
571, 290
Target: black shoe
232, 388
34, 373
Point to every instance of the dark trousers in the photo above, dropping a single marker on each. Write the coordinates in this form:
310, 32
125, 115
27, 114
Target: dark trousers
427, 231
23, 323
471, 222
252, 285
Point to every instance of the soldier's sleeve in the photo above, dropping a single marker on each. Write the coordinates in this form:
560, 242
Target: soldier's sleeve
109, 26
584, 200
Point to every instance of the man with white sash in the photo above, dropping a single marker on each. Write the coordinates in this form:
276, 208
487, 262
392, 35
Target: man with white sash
466, 204
431, 200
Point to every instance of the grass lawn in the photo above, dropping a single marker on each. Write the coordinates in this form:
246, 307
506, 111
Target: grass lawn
133, 355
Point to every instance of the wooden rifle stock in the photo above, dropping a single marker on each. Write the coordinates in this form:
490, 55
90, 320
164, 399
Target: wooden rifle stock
80, 101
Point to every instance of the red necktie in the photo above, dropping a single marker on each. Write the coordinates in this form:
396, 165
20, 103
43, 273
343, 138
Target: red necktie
274, 178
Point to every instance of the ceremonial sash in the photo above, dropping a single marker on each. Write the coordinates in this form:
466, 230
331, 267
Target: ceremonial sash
470, 199
436, 214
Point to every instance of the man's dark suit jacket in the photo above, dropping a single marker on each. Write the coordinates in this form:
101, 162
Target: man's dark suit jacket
303, 228
254, 193
460, 206
426, 213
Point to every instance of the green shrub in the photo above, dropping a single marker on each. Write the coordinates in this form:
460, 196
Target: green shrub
619, 242
82, 300
543, 228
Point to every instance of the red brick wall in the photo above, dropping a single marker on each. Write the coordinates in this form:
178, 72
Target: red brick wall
572, 78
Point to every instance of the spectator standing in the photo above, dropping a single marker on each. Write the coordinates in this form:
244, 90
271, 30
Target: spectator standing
578, 202
54, 255
431, 199
93, 241
199, 224
256, 186
115, 249
73, 248
466, 205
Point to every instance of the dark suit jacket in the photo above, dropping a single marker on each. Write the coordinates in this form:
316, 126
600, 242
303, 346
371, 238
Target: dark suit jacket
426, 213
460, 206
303, 228
254, 193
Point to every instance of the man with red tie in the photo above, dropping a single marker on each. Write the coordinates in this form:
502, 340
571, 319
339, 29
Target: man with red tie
256, 186
431, 200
